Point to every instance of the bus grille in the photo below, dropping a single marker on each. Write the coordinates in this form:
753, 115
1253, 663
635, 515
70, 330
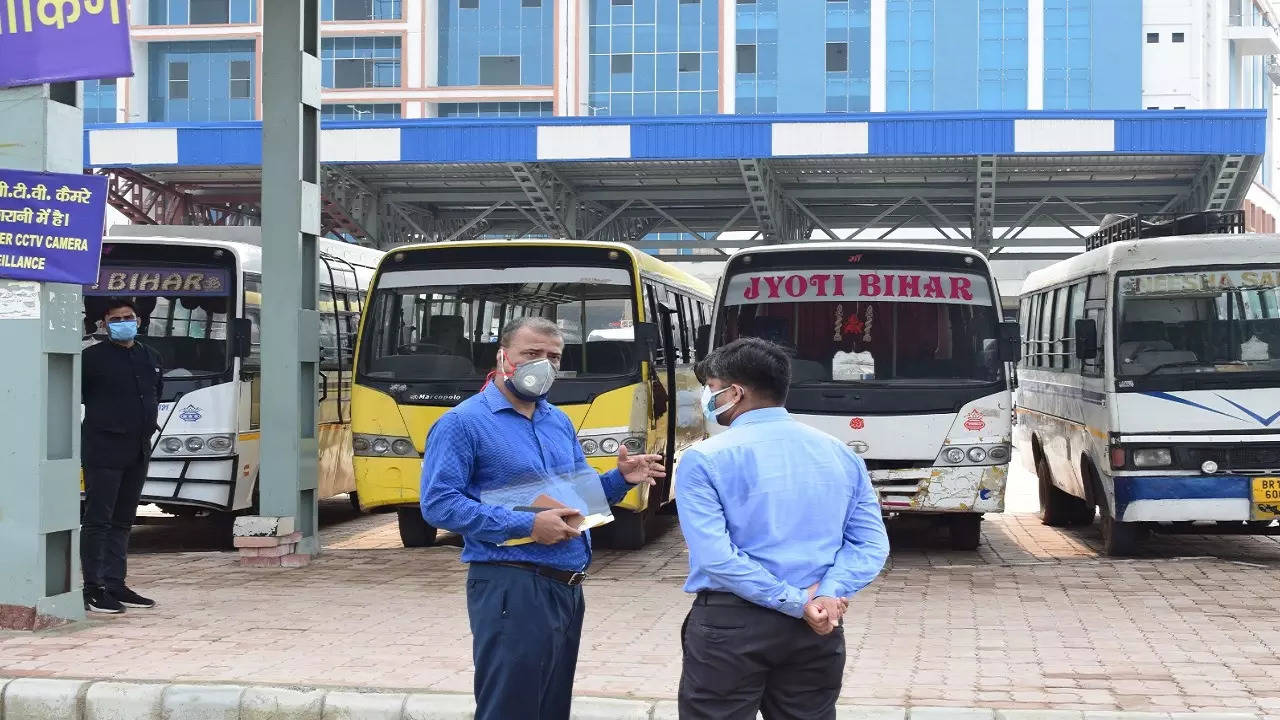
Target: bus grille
1240, 458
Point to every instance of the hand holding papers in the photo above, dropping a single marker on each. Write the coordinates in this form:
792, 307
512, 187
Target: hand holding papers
565, 505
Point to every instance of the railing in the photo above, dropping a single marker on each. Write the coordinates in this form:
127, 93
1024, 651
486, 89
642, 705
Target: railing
1167, 224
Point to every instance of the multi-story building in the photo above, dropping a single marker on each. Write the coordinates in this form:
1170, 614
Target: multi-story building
200, 60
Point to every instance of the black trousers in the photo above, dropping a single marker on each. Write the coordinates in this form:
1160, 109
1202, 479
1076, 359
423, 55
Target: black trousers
740, 658
110, 507
525, 629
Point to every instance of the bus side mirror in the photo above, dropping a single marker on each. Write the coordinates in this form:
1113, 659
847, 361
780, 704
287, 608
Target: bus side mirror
241, 337
702, 342
1010, 342
1086, 339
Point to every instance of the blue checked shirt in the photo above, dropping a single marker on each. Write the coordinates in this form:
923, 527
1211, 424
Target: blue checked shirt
484, 443
772, 506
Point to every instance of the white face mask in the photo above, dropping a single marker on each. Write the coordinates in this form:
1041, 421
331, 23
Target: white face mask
530, 380
709, 409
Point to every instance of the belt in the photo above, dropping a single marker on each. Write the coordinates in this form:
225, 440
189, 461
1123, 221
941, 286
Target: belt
568, 577
724, 599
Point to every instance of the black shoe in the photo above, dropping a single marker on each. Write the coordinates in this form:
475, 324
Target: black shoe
99, 600
131, 599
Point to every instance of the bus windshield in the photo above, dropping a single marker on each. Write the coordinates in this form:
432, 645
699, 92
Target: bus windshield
182, 313
875, 326
430, 325
1219, 321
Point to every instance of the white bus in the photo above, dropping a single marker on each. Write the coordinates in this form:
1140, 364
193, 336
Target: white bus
199, 295
896, 350
1148, 387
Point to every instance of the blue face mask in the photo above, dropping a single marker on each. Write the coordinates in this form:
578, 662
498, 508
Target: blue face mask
122, 331
709, 409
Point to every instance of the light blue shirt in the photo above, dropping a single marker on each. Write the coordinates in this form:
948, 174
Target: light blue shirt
772, 506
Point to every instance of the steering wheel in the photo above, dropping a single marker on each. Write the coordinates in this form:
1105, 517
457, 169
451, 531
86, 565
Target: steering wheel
421, 348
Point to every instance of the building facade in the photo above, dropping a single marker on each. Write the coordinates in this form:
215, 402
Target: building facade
200, 60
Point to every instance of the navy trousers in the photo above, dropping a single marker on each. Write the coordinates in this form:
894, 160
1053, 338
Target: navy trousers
110, 507
525, 629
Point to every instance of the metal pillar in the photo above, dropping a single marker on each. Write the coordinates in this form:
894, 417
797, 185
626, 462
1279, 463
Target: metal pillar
290, 224
40, 579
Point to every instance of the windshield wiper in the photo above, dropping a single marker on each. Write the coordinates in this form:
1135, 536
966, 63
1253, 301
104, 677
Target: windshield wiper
1172, 364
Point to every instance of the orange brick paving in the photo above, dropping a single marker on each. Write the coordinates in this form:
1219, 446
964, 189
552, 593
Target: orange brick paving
1034, 619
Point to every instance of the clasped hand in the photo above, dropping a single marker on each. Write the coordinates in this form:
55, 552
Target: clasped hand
824, 613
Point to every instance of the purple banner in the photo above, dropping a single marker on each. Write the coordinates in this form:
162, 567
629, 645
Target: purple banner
51, 226
152, 281
44, 41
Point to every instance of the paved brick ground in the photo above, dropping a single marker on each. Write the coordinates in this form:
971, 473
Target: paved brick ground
1033, 619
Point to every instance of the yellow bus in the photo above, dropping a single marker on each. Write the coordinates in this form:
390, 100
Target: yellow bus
430, 336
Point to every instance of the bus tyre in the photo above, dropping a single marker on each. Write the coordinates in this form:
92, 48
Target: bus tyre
629, 530
354, 498
966, 530
414, 530
1120, 538
1059, 508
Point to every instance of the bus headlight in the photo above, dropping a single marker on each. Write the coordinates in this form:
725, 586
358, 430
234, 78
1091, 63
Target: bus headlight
633, 445
219, 443
590, 447
1152, 457
954, 455
999, 453
364, 445
977, 454
609, 446
195, 444
171, 445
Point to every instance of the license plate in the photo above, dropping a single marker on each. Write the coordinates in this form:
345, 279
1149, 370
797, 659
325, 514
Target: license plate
1266, 499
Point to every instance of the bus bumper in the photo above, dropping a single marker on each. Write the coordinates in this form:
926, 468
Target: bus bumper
942, 489
1181, 498
385, 482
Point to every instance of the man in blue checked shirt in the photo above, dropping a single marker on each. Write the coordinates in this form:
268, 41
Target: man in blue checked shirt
524, 601
782, 526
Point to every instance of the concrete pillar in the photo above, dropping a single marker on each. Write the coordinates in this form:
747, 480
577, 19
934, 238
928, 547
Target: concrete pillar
40, 583
290, 225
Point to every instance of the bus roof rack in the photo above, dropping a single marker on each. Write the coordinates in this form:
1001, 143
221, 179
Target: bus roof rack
1151, 225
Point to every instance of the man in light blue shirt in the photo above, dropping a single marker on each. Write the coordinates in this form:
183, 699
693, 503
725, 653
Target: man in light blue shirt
782, 526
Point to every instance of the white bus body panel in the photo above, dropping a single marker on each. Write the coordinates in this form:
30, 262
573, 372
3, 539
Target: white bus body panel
205, 479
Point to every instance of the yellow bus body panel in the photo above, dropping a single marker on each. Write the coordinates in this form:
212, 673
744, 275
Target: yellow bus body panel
391, 482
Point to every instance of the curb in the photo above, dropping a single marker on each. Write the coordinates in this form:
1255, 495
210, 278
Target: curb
49, 699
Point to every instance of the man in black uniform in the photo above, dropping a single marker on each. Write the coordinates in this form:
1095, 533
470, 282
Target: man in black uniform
120, 388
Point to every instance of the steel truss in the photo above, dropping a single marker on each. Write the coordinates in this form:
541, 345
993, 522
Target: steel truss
1000, 205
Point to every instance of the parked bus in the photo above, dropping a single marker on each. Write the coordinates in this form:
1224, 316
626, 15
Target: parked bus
897, 351
431, 337
1149, 387
199, 297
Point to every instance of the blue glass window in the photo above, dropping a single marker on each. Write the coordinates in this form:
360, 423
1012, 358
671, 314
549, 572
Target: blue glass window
653, 56
472, 32
201, 81
757, 30
201, 12
360, 62
1002, 55
910, 37
507, 109
359, 111
348, 10
100, 101
1067, 46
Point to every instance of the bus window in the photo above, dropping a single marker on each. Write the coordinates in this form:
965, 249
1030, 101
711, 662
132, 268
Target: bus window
680, 328
1044, 348
1076, 313
1060, 316
1024, 326
253, 312
329, 352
